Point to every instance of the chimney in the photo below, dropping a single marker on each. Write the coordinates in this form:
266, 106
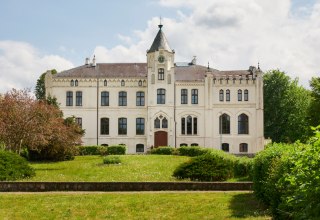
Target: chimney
87, 61
94, 60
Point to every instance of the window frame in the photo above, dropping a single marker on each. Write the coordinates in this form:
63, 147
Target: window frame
69, 98
221, 95
239, 95
104, 126
140, 126
184, 96
161, 74
246, 95
228, 95
224, 124
161, 96
225, 145
194, 96
78, 98
104, 98
122, 126
243, 124
243, 148
140, 98
122, 96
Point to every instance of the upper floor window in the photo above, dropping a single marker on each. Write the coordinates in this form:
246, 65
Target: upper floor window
243, 124
243, 147
194, 96
160, 122
105, 82
72, 82
123, 83
225, 147
79, 122
140, 83
246, 95
228, 95
122, 126
157, 123
104, 98
184, 96
140, 99
161, 96
164, 123
122, 98
69, 98
104, 126
224, 124
221, 98
139, 126
160, 74
78, 98
239, 95
76, 83
189, 125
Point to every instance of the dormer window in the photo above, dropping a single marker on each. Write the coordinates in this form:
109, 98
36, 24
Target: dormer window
122, 83
140, 83
105, 82
72, 82
76, 83
160, 74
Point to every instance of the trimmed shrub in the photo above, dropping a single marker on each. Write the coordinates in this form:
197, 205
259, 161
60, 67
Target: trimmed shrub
163, 150
192, 151
116, 150
243, 167
91, 150
213, 166
111, 160
14, 167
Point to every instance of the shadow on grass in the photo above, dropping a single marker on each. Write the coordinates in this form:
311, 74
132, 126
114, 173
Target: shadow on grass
246, 205
44, 169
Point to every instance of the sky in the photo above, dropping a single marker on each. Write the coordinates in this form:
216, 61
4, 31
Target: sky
37, 35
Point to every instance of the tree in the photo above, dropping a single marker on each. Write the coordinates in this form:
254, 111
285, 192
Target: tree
314, 111
35, 125
286, 107
40, 90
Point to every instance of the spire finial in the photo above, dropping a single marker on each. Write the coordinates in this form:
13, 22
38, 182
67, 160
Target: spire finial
208, 66
160, 25
259, 66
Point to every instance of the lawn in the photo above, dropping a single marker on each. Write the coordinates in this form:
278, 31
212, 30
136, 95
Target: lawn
133, 168
159, 205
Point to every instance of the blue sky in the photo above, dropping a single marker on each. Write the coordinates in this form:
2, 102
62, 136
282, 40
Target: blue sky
37, 35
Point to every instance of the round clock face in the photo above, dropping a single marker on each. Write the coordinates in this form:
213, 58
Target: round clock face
161, 59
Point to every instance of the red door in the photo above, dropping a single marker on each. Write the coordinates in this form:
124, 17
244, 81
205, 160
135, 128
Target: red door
160, 138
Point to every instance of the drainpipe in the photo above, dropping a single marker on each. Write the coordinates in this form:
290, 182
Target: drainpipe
97, 109
174, 115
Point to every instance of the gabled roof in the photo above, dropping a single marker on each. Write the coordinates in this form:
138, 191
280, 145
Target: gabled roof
159, 42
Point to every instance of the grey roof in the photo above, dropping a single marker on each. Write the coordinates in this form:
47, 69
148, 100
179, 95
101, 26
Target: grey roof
138, 70
159, 42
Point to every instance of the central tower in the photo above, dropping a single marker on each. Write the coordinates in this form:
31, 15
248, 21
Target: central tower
161, 92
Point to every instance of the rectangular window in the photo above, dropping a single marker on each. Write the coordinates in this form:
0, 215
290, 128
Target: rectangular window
161, 96
184, 96
79, 122
104, 126
140, 126
194, 96
183, 126
140, 99
221, 98
239, 95
78, 98
160, 74
122, 98
228, 95
104, 98
122, 126
195, 126
69, 100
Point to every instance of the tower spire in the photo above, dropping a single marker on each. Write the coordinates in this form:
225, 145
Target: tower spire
160, 25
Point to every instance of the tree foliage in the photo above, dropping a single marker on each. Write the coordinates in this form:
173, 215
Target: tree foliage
35, 125
40, 90
315, 104
286, 108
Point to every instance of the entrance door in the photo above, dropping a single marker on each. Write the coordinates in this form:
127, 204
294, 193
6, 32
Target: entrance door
160, 138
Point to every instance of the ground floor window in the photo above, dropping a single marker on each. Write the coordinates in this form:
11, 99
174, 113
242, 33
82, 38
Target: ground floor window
225, 147
243, 147
139, 148
183, 145
194, 144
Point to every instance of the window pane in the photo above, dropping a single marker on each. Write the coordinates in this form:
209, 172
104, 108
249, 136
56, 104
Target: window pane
194, 96
189, 125
184, 96
195, 126
104, 126
224, 124
243, 124
160, 74
122, 98
78, 98
140, 126
69, 98
243, 147
139, 148
104, 98
164, 123
140, 99
228, 95
246, 95
157, 123
79, 122
225, 147
122, 126
239, 95
183, 126
161, 94
221, 96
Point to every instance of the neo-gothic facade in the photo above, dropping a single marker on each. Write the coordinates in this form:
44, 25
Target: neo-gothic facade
163, 103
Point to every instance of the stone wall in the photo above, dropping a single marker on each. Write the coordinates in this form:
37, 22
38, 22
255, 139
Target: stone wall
123, 186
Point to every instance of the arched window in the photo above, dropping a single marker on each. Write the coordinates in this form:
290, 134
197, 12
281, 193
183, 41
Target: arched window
221, 98
104, 126
140, 83
224, 124
194, 144
123, 83
72, 82
140, 99
246, 95
139, 148
239, 95
122, 98
76, 83
104, 98
139, 126
189, 125
243, 124
164, 123
183, 145
243, 147
161, 122
161, 96
157, 123
225, 147
160, 74
228, 95
105, 82
122, 126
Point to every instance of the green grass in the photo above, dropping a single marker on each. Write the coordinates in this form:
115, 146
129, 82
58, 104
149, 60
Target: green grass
133, 168
163, 205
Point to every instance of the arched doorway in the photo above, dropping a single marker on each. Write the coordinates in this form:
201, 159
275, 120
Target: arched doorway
160, 138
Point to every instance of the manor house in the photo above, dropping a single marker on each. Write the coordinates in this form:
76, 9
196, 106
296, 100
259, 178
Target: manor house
163, 103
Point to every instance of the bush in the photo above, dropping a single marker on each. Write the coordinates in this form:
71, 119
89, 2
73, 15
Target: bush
91, 150
116, 150
192, 151
111, 160
243, 167
14, 167
213, 166
163, 150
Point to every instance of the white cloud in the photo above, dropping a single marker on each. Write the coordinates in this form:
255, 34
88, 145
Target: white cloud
233, 34
22, 64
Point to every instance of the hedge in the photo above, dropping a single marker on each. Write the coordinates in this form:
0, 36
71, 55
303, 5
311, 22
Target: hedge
116, 150
192, 151
163, 150
91, 150
14, 167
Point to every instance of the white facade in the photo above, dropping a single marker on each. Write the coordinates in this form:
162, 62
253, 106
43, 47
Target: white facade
185, 98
